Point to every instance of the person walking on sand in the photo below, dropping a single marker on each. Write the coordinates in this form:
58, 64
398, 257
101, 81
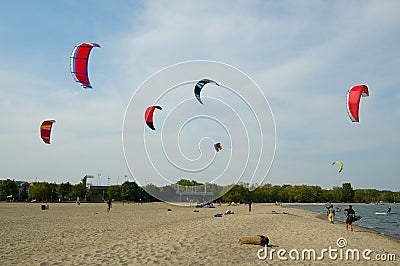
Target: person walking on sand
109, 205
351, 214
331, 214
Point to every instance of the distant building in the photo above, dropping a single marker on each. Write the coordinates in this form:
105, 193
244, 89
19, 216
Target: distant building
85, 178
97, 193
23, 187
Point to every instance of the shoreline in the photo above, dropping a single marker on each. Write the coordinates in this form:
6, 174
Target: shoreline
370, 230
324, 217
139, 234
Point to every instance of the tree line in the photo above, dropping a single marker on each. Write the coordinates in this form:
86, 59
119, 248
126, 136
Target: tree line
308, 194
130, 191
44, 191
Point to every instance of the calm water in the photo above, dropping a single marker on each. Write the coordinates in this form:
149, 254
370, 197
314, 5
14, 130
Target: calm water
388, 224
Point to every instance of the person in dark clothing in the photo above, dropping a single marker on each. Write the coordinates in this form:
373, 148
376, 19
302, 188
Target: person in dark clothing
351, 214
109, 205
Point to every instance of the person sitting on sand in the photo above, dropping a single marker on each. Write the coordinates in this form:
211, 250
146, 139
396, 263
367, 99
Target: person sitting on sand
351, 214
331, 214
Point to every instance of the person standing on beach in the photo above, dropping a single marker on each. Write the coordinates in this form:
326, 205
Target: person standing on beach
109, 205
331, 214
250, 206
351, 214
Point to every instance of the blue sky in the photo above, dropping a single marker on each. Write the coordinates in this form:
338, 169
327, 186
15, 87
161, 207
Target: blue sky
303, 55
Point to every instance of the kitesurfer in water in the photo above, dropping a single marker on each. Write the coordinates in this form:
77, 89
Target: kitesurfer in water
389, 210
351, 214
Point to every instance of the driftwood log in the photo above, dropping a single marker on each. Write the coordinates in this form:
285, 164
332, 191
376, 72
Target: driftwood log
254, 240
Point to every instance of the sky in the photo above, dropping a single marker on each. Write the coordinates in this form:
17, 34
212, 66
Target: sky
302, 56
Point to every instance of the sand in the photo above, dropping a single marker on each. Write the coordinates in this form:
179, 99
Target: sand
148, 234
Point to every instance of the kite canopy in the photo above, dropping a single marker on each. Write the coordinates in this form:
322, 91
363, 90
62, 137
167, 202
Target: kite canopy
217, 147
199, 86
148, 115
340, 165
45, 130
79, 63
353, 100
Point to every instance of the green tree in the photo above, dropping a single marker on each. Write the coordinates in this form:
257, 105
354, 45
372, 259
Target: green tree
114, 192
89, 194
396, 197
286, 194
8, 187
300, 193
78, 190
64, 189
185, 182
263, 193
130, 191
336, 194
371, 195
325, 195
40, 191
348, 193
238, 193
53, 196
146, 197
386, 196
278, 194
153, 190
316, 194
359, 195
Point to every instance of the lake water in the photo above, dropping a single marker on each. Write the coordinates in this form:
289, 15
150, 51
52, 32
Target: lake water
388, 224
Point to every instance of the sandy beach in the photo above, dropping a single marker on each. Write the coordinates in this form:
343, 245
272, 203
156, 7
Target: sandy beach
148, 234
